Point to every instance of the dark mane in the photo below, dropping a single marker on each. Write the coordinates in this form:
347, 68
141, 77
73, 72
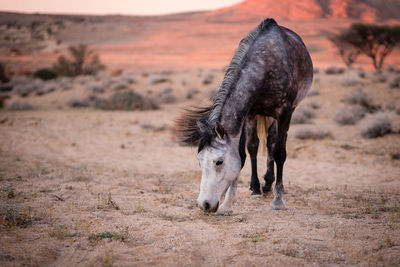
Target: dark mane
196, 127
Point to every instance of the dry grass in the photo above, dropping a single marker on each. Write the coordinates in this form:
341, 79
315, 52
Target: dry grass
312, 132
376, 125
349, 115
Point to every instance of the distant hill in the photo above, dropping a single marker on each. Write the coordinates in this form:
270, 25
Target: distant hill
366, 10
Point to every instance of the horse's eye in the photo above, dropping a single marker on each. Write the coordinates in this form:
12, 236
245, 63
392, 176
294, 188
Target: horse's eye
219, 162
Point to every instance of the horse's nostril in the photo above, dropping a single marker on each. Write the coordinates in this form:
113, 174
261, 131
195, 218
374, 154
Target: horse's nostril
206, 205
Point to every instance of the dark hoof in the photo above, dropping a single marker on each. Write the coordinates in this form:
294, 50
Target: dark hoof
266, 187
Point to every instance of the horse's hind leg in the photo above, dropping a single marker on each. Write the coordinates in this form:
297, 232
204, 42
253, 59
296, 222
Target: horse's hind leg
279, 153
269, 176
252, 147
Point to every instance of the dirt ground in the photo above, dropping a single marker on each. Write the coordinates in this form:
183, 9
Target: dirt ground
88, 188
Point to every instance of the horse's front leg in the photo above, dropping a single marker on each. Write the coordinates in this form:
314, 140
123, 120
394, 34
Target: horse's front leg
226, 207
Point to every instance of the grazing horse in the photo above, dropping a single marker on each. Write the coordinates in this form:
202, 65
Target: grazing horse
270, 73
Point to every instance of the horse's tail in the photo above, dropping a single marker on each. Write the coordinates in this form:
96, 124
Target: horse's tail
263, 123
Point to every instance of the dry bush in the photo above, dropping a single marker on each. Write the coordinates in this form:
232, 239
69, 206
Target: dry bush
208, 79
20, 105
156, 79
334, 70
47, 88
312, 132
166, 96
302, 115
78, 103
191, 93
349, 115
13, 214
375, 125
350, 78
359, 97
395, 83
126, 101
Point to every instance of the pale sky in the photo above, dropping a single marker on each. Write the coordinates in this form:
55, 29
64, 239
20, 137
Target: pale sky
128, 7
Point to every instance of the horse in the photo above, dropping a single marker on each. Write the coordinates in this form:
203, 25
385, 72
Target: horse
269, 74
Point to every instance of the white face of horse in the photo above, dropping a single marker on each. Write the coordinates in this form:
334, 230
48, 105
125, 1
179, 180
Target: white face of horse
220, 165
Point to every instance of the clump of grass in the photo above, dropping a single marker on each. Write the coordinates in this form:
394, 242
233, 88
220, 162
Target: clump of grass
119, 236
376, 125
129, 100
349, 115
359, 97
13, 214
302, 115
312, 132
334, 70
106, 202
20, 105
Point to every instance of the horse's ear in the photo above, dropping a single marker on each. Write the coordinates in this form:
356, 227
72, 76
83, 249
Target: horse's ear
219, 129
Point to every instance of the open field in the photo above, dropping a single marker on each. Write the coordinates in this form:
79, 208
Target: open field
92, 187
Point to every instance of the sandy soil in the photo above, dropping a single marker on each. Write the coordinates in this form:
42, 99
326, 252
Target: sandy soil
115, 188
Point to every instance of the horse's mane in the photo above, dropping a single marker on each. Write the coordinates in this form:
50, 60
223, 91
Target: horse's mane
196, 126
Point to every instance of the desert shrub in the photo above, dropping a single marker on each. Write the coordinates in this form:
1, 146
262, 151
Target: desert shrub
47, 88
78, 103
379, 78
129, 100
45, 74
156, 79
3, 76
20, 105
359, 97
349, 115
302, 114
208, 79
82, 61
312, 132
13, 214
395, 83
313, 92
350, 78
166, 96
334, 70
191, 93
375, 125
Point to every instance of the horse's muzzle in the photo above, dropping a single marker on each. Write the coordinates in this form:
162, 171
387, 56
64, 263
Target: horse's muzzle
206, 206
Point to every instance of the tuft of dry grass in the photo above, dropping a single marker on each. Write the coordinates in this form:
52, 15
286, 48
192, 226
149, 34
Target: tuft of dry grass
349, 115
312, 132
375, 125
20, 105
302, 115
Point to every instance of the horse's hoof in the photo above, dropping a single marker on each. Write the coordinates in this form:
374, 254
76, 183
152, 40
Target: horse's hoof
255, 196
278, 204
266, 188
224, 213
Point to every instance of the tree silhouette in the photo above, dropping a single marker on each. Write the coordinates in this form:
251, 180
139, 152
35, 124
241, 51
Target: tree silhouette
348, 52
375, 41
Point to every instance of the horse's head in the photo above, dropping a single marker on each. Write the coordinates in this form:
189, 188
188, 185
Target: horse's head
220, 164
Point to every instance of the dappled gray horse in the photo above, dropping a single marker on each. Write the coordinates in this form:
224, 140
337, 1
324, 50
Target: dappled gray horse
270, 73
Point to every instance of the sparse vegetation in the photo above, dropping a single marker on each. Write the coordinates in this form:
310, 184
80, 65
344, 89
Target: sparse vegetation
45, 74
118, 236
3, 76
20, 105
82, 62
376, 125
302, 115
349, 115
129, 100
13, 214
312, 132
